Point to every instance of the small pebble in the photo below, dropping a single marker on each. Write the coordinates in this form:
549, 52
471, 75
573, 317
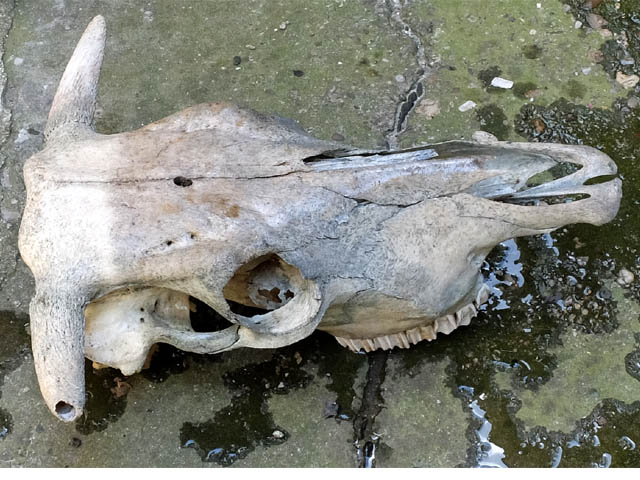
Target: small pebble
337, 137
625, 277
538, 5
532, 31
483, 137
298, 73
18, 61
283, 26
566, 8
237, 60
501, 83
400, 78
627, 81
605, 33
595, 21
468, 105
277, 434
586, 70
251, 47
578, 24
633, 102
75, 442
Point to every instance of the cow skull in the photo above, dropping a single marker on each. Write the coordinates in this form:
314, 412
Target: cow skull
230, 207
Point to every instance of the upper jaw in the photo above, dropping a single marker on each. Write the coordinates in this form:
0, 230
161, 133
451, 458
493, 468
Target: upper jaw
602, 199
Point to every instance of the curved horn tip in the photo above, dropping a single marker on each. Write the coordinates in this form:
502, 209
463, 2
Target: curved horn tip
73, 106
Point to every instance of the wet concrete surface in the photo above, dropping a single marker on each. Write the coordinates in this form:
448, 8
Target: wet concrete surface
547, 375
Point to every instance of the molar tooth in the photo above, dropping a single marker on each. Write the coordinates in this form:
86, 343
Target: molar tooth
446, 324
429, 332
483, 294
414, 335
403, 341
353, 345
383, 342
369, 345
465, 314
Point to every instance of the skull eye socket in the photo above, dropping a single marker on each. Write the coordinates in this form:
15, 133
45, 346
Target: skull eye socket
261, 286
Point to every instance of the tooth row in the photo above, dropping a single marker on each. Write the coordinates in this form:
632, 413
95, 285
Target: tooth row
446, 325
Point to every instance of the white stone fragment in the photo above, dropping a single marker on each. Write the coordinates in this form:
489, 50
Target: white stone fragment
501, 82
23, 136
468, 105
483, 137
625, 277
627, 81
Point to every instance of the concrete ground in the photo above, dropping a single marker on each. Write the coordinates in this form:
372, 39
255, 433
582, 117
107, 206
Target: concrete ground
548, 375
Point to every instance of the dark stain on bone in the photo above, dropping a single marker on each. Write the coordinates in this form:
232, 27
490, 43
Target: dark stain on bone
13, 349
246, 423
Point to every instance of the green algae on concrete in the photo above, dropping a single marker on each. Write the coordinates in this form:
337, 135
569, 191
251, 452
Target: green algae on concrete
527, 45
315, 439
590, 368
422, 424
167, 56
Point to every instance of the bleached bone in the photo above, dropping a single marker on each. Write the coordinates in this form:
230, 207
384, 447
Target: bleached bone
378, 248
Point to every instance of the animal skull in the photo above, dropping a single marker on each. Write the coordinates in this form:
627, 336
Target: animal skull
378, 248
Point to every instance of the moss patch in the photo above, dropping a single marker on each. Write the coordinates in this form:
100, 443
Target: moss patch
501, 36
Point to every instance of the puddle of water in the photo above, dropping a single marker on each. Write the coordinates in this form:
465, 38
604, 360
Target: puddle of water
106, 399
237, 429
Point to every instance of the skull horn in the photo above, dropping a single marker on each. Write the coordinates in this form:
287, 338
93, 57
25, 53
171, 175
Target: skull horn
57, 337
74, 105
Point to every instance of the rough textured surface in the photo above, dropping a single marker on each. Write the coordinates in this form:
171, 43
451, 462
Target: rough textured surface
590, 366
423, 417
531, 278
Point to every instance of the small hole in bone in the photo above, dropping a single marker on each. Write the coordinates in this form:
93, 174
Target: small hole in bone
141, 320
260, 286
169, 243
142, 309
203, 318
183, 181
271, 294
65, 411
